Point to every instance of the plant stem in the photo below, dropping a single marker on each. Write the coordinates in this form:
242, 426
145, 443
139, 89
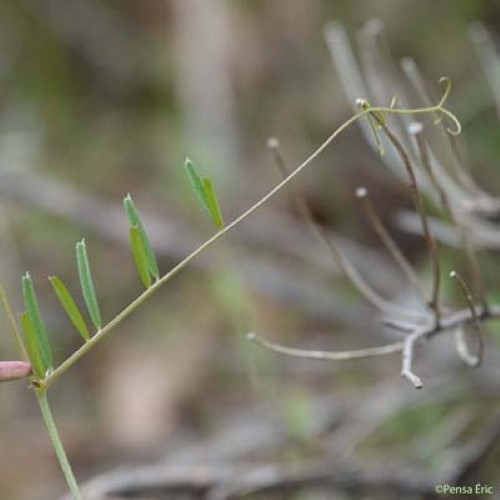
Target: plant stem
41, 395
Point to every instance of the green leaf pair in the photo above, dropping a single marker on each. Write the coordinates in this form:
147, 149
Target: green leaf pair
37, 342
205, 192
88, 292
142, 251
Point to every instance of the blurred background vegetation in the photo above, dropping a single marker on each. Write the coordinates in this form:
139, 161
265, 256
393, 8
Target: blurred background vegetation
99, 98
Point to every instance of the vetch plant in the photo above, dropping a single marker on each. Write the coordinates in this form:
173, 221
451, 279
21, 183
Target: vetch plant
36, 358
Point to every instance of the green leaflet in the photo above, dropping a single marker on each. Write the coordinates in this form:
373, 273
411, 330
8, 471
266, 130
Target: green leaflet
87, 284
12, 324
40, 334
140, 257
213, 204
39, 367
205, 192
70, 307
197, 184
134, 219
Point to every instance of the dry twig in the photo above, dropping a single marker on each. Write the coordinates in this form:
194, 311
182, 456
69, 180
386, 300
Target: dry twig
419, 206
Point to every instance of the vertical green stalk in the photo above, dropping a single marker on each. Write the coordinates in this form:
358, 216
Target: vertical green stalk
41, 395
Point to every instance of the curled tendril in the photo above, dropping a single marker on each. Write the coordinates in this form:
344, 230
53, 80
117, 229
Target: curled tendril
439, 108
446, 83
457, 127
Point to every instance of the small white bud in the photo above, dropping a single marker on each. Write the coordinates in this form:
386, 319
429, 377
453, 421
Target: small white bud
361, 192
273, 143
415, 128
361, 103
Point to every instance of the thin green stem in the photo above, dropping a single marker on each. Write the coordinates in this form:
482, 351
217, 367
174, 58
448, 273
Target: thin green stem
41, 395
71, 360
100, 334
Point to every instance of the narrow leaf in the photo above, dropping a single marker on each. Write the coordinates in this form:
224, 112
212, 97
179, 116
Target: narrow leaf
134, 219
197, 184
205, 192
70, 306
139, 253
36, 320
39, 367
213, 204
87, 283
12, 323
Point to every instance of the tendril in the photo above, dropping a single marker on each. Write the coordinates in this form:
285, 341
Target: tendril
457, 126
446, 82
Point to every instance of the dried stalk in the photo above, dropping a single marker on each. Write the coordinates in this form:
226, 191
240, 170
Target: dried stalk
407, 361
473, 360
416, 130
388, 241
471, 315
364, 289
327, 355
419, 206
